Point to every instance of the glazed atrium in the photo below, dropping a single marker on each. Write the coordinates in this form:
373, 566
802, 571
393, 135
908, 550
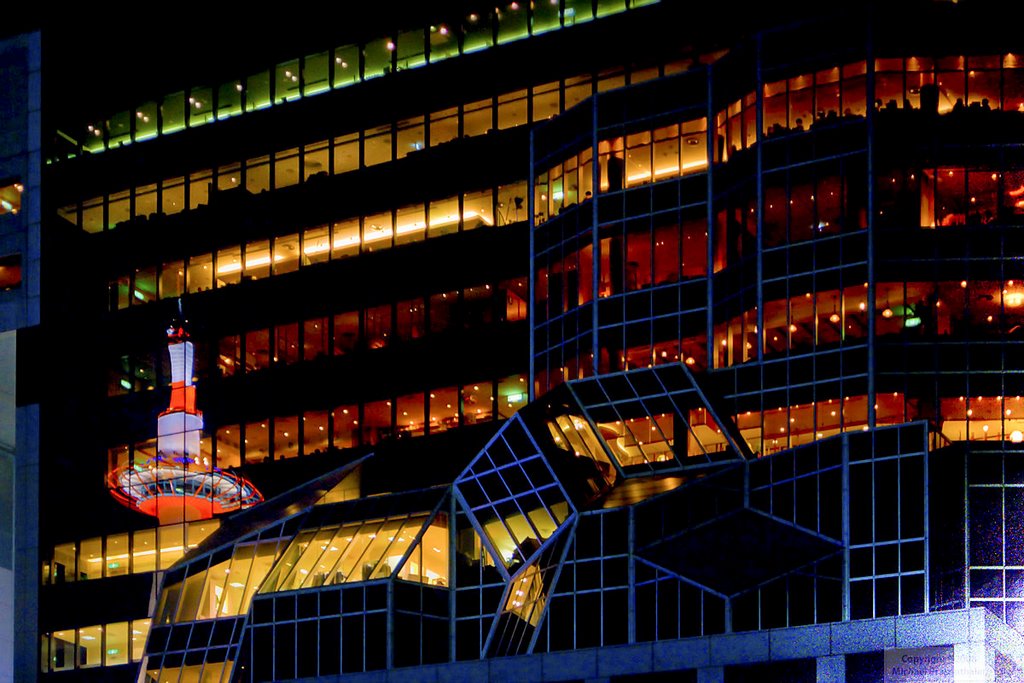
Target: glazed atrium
568, 340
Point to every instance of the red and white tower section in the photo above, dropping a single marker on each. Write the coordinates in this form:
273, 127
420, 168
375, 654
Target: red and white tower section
178, 483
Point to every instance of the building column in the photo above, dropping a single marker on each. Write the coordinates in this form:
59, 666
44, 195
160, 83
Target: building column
971, 663
711, 674
831, 669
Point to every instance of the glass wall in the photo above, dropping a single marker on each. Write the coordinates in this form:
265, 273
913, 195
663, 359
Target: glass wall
145, 550
809, 202
94, 646
222, 589
624, 161
369, 329
232, 265
807, 101
318, 73
364, 551
801, 203
798, 324
348, 152
320, 431
514, 496
995, 501
784, 427
950, 196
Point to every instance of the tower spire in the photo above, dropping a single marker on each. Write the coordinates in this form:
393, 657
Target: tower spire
179, 482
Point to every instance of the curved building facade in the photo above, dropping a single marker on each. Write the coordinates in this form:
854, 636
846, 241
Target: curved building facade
829, 250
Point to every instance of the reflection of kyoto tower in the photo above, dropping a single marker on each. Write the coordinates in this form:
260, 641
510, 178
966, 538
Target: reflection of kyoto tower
178, 483
178, 427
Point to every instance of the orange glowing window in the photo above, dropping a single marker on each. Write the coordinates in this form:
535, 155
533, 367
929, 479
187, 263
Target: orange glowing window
10, 198
10, 271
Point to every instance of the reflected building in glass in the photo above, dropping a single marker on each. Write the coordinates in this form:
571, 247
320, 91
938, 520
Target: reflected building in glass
618, 342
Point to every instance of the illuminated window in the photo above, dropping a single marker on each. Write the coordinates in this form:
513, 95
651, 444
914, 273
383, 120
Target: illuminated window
99, 645
364, 551
10, 198
10, 271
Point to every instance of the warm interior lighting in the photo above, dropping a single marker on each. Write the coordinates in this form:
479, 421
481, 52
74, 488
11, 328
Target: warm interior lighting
450, 219
316, 249
344, 241
1016, 436
376, 234
138, 553
688, 166
834, 318
10, 198
887, 312
258, 261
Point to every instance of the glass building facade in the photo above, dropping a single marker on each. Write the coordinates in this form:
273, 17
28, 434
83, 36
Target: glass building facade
613, 341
